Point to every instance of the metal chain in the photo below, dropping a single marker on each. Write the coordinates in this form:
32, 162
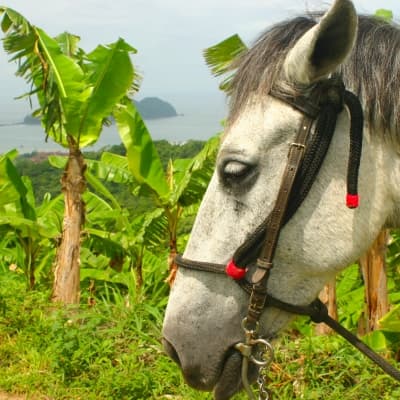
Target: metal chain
263, 359
263, 392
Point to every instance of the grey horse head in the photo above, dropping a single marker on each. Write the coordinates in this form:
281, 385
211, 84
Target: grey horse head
203, 318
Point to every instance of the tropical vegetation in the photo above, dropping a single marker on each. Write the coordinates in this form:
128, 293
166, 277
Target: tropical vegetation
136, 203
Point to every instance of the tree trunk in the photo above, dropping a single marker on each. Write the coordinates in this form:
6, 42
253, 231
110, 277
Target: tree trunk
373, 268
328, 297
66, 287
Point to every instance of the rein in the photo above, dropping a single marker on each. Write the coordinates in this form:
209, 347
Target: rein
305, 157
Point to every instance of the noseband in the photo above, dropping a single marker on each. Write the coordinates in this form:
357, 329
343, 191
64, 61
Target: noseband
305, 157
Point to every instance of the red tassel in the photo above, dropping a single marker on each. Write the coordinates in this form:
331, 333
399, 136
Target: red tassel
352, 200
234, 271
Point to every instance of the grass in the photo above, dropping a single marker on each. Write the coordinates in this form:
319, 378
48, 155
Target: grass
112, 351
327, 367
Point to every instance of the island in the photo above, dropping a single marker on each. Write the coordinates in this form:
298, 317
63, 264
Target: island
153, 107
30, 120
148, 107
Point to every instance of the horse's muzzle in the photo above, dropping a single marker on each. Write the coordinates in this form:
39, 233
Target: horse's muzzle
191, 372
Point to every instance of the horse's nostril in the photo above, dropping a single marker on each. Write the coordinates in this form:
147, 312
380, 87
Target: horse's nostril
170, 350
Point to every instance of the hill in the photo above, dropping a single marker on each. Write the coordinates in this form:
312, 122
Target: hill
148, 107
29, 120
153, 107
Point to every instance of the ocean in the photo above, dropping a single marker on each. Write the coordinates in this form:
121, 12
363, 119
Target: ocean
199, 118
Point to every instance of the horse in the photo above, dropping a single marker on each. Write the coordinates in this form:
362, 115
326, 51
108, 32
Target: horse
203, 321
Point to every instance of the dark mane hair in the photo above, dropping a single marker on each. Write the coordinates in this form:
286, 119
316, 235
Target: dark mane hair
372, 70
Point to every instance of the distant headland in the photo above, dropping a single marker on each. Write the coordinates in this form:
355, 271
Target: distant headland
148, 107
29, 120
153, 107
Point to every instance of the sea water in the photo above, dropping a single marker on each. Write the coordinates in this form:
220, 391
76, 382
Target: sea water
200, 117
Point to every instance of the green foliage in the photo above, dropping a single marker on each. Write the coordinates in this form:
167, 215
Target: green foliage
169, 151
350, 296
138, 194
387, 338
221, 57
181, 185
106, 165
76, 91
107, 351
143, 160
112, 350
28, 231
326, 367
145, 164
384, 14
45, 179
117, 241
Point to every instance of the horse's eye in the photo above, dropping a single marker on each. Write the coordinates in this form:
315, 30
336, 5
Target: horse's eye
236, 169
236, 172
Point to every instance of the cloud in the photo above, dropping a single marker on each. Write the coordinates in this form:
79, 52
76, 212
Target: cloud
169, 34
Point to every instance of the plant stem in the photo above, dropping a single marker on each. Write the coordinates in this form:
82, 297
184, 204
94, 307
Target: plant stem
66, 287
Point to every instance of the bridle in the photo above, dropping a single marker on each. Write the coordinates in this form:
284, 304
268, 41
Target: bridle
305, 156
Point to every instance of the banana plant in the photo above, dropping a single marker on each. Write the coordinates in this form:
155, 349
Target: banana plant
175, 193
384, 14
181, 186
29, 232
221, 58
114, 242
76, 92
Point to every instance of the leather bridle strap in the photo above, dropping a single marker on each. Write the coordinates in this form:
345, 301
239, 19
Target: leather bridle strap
276, 221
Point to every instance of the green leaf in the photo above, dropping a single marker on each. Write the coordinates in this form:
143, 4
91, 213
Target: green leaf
100, 188
151, 227
116, 160
94, 203
12, 18
221, 56
17, 222
376, 340
349, 280
11, 155
96, 274
191, 176
68, 44
15, 189
65, 93
391, 321
111, 168
6, 22
143, 159
110, 75
91, 260
67, 74
50, 215
384, 14
58, 161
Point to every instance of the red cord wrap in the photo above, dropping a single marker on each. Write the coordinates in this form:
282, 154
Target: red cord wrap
234, 271
352, 200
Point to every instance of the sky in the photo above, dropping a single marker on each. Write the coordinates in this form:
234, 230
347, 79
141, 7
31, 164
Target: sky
168, 34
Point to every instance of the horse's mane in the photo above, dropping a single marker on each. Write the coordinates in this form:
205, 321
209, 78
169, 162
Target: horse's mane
372, 70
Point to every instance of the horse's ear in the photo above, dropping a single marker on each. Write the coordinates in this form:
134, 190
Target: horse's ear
324, 47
